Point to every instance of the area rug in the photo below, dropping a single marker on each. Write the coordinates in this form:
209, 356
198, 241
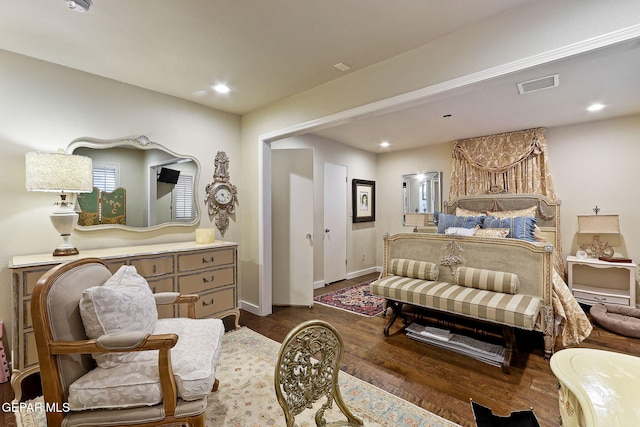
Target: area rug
356, 299
246, 395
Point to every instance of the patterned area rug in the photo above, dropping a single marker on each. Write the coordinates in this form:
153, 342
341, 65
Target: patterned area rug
246, 395
356, 299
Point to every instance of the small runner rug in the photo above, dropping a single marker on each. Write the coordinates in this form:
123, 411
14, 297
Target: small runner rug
246, 396
356, 299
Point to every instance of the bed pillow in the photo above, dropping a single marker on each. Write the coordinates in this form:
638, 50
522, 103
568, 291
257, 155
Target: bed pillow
467, 212
124, 303
496, 281
522, 227
447, 220
492, 232
461, 231
514, 213
414, 269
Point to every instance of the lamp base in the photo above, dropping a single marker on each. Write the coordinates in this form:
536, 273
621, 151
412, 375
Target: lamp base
65, 248
65, 251
597, 248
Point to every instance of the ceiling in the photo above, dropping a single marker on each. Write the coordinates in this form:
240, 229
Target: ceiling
269, 50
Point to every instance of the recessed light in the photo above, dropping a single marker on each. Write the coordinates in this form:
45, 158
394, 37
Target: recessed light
384, 144
221, 88
595, 107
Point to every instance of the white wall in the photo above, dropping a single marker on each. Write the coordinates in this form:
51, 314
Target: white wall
598, 164
361, 237
44, 107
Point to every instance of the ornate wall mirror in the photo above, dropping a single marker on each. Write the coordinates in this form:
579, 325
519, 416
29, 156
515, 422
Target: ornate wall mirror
421, 195
139, 185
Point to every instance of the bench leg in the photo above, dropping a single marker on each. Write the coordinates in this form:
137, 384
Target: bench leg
510, 342
396, 310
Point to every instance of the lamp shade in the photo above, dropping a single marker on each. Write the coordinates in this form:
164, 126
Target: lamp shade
57, 172
599, 224
415, 219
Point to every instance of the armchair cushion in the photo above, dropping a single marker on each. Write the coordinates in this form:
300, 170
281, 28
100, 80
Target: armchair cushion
124, 303
137, 382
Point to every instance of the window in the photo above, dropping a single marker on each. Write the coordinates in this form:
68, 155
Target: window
106, 176
183, 193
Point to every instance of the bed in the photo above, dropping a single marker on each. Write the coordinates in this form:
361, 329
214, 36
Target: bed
571, 323
483, 242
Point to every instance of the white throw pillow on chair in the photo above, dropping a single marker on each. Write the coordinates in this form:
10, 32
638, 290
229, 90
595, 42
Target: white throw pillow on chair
124, 303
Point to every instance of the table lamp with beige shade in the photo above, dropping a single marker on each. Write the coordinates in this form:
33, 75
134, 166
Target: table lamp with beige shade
66, 174
598, 224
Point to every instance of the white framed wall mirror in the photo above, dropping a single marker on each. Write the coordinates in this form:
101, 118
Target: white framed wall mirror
139, 185
422, 196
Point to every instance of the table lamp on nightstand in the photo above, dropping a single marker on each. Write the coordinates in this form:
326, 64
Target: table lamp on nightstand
597, 225
60, 173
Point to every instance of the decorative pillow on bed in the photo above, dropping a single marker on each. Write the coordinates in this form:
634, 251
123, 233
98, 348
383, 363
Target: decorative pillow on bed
414, 269
467, 212
492, 232
446, 220
497, 281
124, 303
515, 213
521, 227
461, 231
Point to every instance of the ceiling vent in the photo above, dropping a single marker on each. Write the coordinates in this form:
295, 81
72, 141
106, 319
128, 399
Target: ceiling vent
538, 84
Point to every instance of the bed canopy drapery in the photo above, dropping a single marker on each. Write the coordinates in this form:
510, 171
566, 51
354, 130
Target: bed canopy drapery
512, 162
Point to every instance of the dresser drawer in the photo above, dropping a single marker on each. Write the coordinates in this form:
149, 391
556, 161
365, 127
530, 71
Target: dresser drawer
205, 259
213, 303
149, 267
165, 311
114, 266
201, 282
31, 277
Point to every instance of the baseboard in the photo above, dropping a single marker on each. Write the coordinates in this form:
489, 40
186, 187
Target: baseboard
319, 284
359, 273
251, 308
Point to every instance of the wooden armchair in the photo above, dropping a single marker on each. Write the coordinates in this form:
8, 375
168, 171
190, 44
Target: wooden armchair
71, 380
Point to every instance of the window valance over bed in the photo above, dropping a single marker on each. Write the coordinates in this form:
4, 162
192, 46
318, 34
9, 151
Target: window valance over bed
512, 162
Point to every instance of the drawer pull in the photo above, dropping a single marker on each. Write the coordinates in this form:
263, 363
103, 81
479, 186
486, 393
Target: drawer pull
155, 269
205, 280
204, 303
207, 261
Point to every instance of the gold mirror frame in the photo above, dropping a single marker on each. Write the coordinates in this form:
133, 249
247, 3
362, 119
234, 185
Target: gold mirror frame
139, 143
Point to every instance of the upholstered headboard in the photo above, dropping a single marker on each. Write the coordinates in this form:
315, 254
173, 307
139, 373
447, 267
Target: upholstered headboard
547, 214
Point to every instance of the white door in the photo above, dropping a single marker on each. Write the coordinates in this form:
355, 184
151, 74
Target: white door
335, 222
292, 226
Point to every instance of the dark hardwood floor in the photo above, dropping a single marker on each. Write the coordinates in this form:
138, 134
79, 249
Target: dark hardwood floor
440, 381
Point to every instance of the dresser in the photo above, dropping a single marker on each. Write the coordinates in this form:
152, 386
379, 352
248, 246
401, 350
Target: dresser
209, 270
594, 281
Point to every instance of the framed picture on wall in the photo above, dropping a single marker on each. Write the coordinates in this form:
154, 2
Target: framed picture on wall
363, 202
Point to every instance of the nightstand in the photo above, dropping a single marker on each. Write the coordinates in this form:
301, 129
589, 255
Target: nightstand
593, 281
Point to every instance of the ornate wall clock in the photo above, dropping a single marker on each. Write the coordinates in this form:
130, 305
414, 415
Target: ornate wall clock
222, 196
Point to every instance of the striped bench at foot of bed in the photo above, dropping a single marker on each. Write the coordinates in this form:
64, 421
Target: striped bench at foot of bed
509, 310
